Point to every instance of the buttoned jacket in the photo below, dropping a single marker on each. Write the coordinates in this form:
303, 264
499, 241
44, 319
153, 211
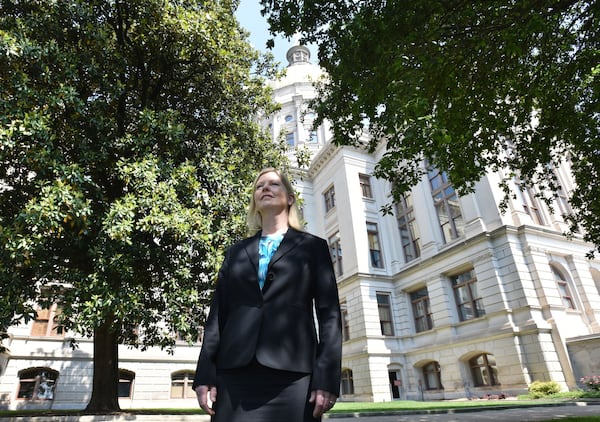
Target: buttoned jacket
275, 325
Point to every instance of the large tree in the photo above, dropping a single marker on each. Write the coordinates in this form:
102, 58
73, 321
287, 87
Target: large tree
127, 143
471, 86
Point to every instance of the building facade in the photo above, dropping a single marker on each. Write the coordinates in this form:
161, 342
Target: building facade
445, 297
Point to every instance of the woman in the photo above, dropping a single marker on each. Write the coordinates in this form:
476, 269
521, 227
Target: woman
260, 358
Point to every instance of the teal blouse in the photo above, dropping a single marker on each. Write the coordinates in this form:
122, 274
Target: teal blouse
266, 248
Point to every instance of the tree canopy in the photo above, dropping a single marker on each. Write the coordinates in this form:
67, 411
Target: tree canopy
469, 86
128, 141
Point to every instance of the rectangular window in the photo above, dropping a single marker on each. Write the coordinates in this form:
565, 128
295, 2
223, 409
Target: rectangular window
329, 197
335, 248
347, 384
410, 237
385, 314
529, 201
345, 323
47, 324
468, 301
374, 245
446, 205
125, 388
181, 385
365, 185
562, 195
290, 139
421, 310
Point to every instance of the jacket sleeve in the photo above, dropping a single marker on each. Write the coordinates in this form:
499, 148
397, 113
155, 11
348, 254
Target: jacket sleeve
206, 369
327, 370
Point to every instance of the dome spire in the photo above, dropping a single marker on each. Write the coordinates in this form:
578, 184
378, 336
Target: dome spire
298, 54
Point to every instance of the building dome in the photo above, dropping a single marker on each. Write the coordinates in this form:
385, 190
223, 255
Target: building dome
300, 69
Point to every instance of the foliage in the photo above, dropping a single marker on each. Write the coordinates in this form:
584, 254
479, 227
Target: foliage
591, 382
127, 144
538, 389
506, 86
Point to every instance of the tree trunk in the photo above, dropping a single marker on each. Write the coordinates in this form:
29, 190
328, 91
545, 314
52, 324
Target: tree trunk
105, 388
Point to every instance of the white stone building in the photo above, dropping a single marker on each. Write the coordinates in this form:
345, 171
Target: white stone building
447, 297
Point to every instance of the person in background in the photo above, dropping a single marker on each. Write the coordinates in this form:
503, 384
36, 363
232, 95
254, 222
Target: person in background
263, 356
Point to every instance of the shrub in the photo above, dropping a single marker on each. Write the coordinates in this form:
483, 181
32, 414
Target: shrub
539, 389
591, 382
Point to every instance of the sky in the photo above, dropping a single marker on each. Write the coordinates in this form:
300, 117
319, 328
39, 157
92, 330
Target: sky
248, 14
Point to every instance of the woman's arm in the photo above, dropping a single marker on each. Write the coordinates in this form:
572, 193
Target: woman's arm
327, 369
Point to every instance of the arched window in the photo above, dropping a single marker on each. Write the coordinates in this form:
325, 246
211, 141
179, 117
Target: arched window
181, 385
563, 288
347, 381
37, 384
126, 383
483, 369
432, 375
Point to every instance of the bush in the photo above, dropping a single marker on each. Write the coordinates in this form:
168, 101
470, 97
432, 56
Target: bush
591, 382
538, 389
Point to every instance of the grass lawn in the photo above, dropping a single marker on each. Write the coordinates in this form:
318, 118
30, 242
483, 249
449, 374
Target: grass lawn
352, 407
364, 407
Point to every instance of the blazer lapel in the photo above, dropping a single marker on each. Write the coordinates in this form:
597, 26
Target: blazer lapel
291, 240
252, 252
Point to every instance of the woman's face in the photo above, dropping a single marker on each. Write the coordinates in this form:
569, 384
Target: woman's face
270, 194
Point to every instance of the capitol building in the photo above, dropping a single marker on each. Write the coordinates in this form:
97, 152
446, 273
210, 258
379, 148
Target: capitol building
445, 297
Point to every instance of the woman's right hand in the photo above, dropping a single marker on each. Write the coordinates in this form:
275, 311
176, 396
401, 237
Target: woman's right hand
202, 392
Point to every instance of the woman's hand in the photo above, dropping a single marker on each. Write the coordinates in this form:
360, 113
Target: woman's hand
202, 392
323, 401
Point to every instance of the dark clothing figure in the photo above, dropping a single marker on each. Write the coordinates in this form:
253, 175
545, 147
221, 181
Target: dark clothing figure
262, 354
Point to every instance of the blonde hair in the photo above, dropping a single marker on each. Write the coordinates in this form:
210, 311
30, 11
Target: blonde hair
254, 219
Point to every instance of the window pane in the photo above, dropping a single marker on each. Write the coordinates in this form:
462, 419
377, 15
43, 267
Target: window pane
385, 314
26, 389
466, 294
289, 138
45, 390
484, 371
347, 382
177, 391
124, 388
374, 246
365, 184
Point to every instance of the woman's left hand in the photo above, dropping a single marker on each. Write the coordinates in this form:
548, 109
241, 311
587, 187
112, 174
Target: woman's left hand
323, 401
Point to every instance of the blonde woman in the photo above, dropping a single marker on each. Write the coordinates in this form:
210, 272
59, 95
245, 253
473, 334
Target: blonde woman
261, 358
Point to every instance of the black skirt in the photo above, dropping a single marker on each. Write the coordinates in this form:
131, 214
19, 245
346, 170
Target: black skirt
256, 393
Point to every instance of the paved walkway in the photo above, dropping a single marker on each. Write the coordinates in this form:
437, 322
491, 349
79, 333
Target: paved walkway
503, 414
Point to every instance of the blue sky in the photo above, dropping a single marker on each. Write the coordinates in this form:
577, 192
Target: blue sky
249, 16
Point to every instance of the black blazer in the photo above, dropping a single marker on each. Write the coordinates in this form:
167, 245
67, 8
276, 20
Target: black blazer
275, 325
